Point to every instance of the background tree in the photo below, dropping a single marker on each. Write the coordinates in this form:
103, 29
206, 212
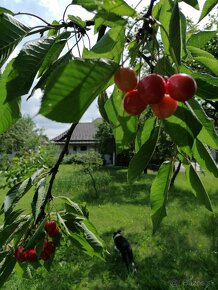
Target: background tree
21, 137
106, 138
23, 149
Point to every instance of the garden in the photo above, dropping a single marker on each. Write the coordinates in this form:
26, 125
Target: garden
153, 73
183, 254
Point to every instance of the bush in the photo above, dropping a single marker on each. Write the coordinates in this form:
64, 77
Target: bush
89, 159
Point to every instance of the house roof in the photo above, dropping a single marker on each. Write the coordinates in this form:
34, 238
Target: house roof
83, 133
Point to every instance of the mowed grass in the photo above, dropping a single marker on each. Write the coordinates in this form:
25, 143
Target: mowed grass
183, 254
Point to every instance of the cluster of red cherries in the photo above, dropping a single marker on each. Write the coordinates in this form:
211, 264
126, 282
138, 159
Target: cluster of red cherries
161, 93
30, 255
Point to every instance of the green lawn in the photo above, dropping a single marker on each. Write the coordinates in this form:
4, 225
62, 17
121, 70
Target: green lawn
181, 255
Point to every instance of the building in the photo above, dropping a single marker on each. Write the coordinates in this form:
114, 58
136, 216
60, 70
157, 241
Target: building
82, 140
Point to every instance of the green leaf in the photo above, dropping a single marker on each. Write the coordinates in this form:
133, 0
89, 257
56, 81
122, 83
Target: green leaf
6, 11
22, 230
208, 6
77, 20
204, 158
124, 125
175, 34
183, 128
3, 254
6, 268
90, 234
38, 235
164, 67
109, 46
158, 194
73, 86
9, 111
12, 32
108, 19
74, 210
53, 31
25, 67
54, 52
15, 193
118, 7
207, 135
144, 132
38, 198
201, 38
79, 229
209, 63
195, 51
88, 4
9, 219
165, 16
183, 34
44, 78
196, 185
102, 99
72, 207
141, 159
193, 3
76, 234
19, 190
7, 232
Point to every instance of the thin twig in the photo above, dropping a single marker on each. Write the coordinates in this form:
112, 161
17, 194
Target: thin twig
77, 44
54, 171
30, 14
66, 11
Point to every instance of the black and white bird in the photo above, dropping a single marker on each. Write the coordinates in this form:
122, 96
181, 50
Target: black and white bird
124, 247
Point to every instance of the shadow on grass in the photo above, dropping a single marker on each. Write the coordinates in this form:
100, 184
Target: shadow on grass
120, 191
165, 261
169, 260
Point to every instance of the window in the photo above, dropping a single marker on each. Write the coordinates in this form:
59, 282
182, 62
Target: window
83, 148
74, 148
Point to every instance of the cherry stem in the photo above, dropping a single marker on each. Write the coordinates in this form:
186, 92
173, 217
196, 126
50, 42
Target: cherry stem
66, 11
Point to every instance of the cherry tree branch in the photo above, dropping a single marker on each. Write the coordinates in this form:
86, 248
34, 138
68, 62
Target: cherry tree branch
33, 15
54, 171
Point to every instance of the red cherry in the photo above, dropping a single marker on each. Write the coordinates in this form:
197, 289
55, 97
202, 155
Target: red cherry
152, 88
44, 256
165, 108
126, 79
133, 104
50, 226
181, 87
48, 247
19, 254
53, 233
30, 255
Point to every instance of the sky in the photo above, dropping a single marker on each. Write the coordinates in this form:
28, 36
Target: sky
53, 10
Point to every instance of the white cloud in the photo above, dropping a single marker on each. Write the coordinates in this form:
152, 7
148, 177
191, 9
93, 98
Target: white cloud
55, 9
52, 6
50, 128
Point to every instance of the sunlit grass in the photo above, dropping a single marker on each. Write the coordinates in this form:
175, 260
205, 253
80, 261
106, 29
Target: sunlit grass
183, 252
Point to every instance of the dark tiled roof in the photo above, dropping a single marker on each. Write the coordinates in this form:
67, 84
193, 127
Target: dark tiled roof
82, 132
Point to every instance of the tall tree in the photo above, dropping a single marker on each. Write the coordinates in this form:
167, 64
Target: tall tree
21, 137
